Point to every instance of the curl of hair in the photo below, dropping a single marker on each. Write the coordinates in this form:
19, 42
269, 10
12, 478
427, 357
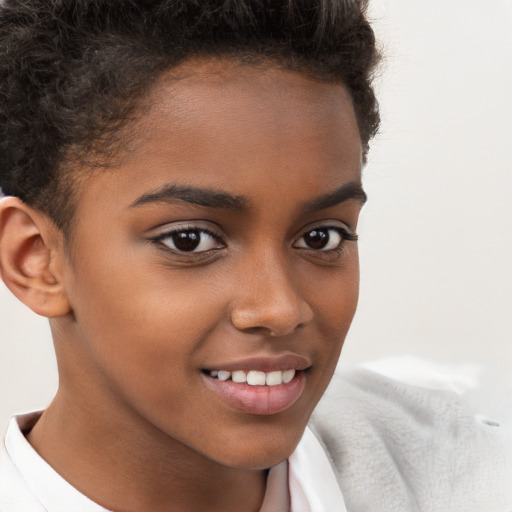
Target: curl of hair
72, 72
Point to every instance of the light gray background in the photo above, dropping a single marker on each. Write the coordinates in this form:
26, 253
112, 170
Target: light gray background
436, 235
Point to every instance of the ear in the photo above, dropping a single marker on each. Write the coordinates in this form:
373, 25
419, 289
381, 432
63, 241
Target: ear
31, 258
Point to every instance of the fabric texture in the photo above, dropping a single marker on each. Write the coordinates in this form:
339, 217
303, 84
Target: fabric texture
396, 447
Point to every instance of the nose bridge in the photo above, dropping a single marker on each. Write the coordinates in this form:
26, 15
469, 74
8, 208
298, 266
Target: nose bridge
268, 297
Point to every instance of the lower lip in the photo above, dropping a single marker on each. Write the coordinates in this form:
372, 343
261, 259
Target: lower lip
263, 400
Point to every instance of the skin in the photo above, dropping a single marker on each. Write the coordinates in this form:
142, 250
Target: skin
135, 322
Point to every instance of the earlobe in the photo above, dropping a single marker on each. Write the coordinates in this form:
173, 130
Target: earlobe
29, 258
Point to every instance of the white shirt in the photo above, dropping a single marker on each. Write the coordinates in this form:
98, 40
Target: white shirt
29, 484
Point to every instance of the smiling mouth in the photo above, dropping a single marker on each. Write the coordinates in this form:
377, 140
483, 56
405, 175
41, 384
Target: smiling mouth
254, 377
255, 391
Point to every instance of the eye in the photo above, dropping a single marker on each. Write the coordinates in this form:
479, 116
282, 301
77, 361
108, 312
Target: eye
324, 238
190, 240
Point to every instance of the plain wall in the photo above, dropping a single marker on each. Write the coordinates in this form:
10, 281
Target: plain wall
436, 234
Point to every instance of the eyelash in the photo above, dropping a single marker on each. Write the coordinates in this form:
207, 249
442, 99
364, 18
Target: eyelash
187, 229
345, 236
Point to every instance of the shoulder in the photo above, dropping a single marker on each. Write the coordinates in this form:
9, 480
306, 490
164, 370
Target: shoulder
401, 447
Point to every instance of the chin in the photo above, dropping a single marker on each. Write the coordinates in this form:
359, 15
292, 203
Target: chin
259, 452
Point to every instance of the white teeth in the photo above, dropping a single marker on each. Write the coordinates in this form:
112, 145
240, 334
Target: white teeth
239, 376
274, 378
223, 375
288, 376
255, 378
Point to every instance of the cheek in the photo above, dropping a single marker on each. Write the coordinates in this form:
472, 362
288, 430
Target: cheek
142, 344
340, 304
337, 290
141, 326
335, 306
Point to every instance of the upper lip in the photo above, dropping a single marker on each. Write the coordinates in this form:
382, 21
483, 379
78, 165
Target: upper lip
264, 363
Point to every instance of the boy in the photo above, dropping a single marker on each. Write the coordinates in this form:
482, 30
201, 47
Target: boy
183, 185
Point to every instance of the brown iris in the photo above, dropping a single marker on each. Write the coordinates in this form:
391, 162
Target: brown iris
317, 238
187, 241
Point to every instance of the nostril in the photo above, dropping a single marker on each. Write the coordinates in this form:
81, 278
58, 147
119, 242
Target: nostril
268, 331
286, 330
262, 323
275, 309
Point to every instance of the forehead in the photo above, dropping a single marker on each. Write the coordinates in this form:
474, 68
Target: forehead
208, 86
241, 128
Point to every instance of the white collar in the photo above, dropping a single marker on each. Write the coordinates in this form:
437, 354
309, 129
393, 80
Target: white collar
53, 492
311, 481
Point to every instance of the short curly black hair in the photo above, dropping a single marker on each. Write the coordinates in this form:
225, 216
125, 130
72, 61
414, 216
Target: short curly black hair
72, 71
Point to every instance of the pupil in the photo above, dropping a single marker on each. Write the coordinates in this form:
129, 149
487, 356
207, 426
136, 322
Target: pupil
317, 238
186, 240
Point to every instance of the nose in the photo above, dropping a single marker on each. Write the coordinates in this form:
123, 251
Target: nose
268, 300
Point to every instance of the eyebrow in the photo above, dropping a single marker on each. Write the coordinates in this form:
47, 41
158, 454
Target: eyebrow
352, 190
171, 193
204, 197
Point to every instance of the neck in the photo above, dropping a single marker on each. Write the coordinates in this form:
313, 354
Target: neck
122, 462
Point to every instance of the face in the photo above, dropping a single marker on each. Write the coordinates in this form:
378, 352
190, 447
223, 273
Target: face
214, 274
